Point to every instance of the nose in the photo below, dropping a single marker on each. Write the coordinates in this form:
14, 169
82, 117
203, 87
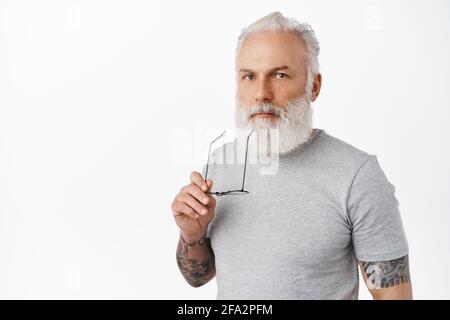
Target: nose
263, 92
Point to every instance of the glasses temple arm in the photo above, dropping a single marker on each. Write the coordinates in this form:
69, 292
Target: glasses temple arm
245, 160
209, 153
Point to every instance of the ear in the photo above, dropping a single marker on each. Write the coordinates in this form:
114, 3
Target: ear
317, 84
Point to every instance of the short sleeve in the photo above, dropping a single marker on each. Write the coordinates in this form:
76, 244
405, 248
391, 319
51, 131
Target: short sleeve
377, 229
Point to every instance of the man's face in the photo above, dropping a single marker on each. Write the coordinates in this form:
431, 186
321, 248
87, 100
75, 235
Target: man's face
271, 68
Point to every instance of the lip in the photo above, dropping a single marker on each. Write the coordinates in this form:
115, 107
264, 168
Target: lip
264, 114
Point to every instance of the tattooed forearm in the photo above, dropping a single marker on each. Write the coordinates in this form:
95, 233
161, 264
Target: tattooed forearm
196, 261
386, 274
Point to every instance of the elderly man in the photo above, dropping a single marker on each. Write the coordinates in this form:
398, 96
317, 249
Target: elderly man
302, 232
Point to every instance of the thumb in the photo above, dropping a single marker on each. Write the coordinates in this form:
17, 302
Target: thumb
209, 183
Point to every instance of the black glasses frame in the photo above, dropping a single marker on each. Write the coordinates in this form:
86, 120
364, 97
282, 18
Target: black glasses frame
229, 192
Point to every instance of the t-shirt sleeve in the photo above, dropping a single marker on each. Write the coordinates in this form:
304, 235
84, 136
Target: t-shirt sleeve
377, 229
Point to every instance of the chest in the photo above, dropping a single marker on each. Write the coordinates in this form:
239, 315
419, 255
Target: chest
302, 223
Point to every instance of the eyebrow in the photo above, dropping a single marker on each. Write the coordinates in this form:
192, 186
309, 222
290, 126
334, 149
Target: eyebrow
270, 71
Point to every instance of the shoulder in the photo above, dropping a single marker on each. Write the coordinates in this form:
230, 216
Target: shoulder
339, 154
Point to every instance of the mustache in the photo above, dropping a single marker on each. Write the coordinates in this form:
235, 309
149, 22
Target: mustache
264, 108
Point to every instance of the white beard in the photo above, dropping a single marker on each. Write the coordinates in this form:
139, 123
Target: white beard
294, 122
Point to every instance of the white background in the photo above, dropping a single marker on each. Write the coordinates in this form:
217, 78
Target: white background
97, 97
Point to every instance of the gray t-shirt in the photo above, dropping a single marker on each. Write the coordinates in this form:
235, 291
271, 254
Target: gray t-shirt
299, 233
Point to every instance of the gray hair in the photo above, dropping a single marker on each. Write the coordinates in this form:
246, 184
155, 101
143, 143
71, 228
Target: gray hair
275, 21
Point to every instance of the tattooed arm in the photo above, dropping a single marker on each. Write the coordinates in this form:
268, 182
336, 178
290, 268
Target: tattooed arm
196, 261
388, 279
193, 210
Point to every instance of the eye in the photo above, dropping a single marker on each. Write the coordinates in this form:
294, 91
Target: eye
281, 74
248, 76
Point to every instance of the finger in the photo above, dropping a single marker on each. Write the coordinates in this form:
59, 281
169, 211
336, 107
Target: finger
197, 179
197, 193
181, 208
193, 203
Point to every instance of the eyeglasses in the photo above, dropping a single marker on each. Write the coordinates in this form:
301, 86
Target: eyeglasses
229, 192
